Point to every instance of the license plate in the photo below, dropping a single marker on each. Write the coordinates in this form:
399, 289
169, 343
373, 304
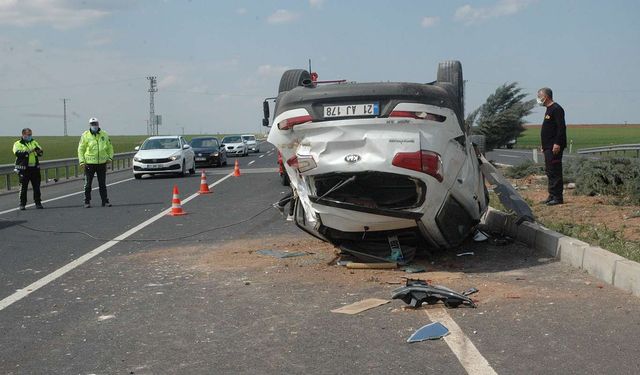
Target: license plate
201, 159
153, 166
368, 109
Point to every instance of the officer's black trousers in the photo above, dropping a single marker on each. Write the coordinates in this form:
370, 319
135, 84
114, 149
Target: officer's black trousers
31, 174
101, 171
553, 169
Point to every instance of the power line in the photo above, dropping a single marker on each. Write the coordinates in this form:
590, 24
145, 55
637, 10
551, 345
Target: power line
71, 85
555, 88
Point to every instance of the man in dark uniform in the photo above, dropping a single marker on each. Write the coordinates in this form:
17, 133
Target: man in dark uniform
553, 136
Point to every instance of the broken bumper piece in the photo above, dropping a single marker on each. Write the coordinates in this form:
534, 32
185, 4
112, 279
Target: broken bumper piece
417, 292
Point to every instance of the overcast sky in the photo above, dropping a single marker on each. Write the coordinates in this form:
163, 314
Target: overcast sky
216, 60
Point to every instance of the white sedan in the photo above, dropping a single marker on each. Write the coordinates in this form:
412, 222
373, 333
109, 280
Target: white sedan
162, 155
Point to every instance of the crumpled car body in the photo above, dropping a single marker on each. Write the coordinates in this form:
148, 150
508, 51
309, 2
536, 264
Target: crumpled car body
367, 161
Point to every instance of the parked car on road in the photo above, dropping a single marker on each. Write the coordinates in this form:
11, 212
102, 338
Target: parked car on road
250, 141
208, 151
162, 155
380, 165
235, 145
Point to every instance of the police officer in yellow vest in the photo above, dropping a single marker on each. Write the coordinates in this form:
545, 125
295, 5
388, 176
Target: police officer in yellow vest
94, 152
27, 150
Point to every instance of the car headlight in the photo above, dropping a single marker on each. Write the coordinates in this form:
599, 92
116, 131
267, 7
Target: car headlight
215, 154
175, 157
137, 158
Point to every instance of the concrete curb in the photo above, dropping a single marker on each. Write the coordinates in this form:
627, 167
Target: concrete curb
605, 265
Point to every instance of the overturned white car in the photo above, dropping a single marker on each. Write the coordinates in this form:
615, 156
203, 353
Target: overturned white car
378, 166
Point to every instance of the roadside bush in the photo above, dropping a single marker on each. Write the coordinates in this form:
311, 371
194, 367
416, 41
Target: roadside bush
525, 169
618, 177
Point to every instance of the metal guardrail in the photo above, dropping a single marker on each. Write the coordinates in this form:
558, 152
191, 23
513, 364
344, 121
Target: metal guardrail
613, 148
54, 170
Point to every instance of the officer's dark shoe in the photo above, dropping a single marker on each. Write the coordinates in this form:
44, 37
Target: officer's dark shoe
22, 208
87, 205
554, 202
549, 199
39, 206
106, 204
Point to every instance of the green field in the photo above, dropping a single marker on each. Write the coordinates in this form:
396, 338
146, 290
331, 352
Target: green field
584, 136
57, 147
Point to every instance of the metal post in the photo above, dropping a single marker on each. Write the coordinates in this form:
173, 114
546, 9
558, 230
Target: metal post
535, 156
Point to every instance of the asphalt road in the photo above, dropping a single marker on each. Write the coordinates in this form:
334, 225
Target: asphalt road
208, 304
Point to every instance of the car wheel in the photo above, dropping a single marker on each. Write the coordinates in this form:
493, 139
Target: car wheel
137, 176
193, 167
451, 72
183, 171
294, 78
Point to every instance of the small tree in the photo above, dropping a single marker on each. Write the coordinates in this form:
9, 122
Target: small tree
501, 117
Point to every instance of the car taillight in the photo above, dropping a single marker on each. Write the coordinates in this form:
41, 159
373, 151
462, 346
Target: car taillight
423, 161
302, 163
407, 114
419, 115
293, 121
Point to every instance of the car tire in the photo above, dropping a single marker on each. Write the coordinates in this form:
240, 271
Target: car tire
451, 72
183, 172
294, 78
137, 176
480, 141
193, 167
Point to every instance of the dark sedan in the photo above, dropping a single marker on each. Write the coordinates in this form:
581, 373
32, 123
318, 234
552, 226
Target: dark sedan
209, 151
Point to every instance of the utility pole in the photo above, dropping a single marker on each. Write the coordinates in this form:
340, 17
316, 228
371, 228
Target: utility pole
64, 104
152, 128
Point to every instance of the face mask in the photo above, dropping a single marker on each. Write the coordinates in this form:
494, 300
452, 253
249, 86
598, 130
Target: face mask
94, 129
540, 102
27, 138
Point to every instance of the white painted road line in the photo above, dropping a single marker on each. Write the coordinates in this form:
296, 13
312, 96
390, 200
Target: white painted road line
21, 293
261, 156
467, 353
251, 162
66, 196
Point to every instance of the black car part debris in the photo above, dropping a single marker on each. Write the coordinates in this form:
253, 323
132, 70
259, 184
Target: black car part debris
508, 196
417, 292
432, 331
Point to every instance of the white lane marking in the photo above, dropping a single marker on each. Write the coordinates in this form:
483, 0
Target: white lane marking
251, 162
66, 196
261, 156
21, 293
467, 353
510, 156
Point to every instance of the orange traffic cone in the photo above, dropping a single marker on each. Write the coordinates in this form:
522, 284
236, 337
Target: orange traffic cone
176, 205
236, 170
204, 187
